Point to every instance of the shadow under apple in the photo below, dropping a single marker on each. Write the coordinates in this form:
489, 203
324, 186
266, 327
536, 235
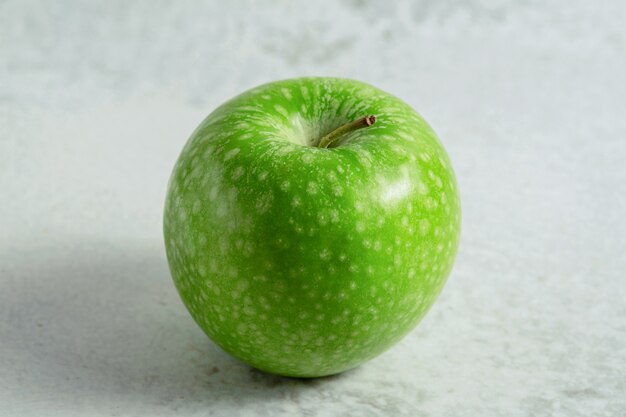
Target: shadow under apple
95, 324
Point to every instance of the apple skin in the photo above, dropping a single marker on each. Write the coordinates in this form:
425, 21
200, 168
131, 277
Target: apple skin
304, 261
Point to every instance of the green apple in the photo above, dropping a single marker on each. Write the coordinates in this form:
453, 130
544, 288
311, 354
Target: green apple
310, 224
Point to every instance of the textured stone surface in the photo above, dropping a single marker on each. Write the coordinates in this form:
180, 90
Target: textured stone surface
96, 102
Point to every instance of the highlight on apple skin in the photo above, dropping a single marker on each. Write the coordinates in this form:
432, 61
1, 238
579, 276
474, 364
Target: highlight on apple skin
306, 260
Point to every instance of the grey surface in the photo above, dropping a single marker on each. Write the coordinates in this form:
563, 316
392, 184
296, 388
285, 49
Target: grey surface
98, 98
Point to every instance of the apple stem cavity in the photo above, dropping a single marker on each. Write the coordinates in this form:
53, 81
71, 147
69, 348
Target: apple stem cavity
333, 137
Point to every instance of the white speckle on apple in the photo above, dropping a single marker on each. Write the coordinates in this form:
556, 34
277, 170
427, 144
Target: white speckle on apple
237, 173
287, 93
407, 137
443, 199
264, 202
280, 109
305, 93
230, 154
365, 158
222, 209
307, 158
422, 188
337, 190
197, 205
213, 193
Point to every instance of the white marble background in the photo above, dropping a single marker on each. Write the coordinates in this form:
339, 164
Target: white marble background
97, 99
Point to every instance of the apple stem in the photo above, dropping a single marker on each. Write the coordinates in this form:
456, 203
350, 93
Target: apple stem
330, 139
